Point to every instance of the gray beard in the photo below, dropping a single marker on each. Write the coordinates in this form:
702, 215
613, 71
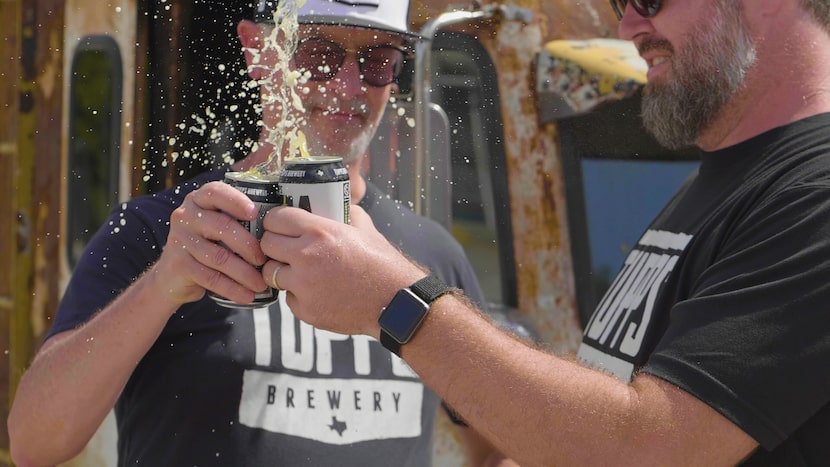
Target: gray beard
706, 76
355, 151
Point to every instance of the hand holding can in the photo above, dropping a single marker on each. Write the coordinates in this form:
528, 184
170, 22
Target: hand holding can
319, 185
264, 191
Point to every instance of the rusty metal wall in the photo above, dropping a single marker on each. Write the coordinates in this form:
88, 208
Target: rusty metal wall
556, 19
540, 236
30, 167
542, 244
10, 46
47, 92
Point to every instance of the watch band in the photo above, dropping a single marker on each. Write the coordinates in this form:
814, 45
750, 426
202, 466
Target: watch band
390, 343
427, 289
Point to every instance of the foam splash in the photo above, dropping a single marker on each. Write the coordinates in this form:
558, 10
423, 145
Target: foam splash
280, 89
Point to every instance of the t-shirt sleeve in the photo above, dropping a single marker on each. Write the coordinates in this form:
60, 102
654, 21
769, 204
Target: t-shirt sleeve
122, 249
448, 260
753, 339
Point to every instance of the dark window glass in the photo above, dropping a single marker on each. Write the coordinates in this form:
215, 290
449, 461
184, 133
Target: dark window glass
94, 134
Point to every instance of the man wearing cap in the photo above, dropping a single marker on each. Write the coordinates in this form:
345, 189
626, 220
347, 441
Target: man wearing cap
196, 383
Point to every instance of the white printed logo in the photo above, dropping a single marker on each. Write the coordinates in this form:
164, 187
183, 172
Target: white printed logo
615, 334
333, 411
329, 410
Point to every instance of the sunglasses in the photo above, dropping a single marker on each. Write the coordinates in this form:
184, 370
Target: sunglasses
644, 8
379, 66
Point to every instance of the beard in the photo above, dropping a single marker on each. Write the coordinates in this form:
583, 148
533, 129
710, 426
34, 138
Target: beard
350, 142
705, 77
352, 153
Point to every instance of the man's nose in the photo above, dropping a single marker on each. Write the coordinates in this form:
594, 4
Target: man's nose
348, 78
633, 24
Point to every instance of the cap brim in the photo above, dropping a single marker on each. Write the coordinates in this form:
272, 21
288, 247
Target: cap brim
347, 21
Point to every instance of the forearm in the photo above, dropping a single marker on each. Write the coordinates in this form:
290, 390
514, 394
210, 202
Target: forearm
76, 377
479, 452
536, 408
543, 410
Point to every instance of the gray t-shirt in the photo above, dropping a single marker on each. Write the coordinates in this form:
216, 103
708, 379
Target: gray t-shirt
240, 387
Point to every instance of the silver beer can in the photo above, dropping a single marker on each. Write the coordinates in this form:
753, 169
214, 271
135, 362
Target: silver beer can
319, 185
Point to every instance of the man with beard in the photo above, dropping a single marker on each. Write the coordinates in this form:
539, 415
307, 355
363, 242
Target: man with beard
196, 383
712, 345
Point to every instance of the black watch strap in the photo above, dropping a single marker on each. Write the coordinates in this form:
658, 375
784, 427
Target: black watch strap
427, 289
390, 343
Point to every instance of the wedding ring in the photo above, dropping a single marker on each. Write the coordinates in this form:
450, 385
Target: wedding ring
274, 278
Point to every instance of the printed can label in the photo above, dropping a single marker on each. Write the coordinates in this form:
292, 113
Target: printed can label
319, 185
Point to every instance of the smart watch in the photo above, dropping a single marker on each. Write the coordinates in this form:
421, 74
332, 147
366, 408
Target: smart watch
407, 310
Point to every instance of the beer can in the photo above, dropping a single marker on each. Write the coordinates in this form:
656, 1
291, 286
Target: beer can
319, 185
264, 191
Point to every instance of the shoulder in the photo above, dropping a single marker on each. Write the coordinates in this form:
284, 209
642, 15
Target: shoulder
424, 240
401, 226
155, 208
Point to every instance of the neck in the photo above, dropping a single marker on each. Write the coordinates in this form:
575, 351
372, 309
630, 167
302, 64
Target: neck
791, 81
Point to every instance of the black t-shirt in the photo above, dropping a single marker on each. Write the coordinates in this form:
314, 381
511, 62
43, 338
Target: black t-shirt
727, 293
241, 387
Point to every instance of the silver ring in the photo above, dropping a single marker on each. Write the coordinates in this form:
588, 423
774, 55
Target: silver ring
274, 278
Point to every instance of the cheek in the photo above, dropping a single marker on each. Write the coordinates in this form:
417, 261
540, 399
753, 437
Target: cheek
376, 100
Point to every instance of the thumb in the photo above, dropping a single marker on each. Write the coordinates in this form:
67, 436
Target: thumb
359, 218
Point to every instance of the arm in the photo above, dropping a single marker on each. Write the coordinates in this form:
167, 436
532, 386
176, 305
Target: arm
78, 374
543, 409
480, 452
547, 410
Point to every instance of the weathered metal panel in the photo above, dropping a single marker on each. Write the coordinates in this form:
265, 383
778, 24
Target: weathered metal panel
30, 173
10, 229
556, 19
47, 93
117, 19
540, 234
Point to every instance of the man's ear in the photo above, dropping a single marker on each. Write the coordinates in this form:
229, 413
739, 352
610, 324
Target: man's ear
251, 37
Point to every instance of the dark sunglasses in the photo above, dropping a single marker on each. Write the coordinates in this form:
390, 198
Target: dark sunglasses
322, 59
644, 8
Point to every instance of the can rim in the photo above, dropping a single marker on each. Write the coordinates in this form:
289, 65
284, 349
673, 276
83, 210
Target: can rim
311, 160
252, 177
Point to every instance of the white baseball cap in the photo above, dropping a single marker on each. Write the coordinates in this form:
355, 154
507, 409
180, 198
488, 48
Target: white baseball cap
383, 15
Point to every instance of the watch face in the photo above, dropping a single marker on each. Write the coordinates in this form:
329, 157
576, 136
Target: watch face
403, 315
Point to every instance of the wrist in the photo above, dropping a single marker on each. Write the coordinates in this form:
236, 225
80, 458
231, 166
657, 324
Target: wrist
169, 293
400, 320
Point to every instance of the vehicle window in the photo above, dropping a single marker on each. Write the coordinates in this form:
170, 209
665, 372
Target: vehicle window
616, 180
465, 86
94, 135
